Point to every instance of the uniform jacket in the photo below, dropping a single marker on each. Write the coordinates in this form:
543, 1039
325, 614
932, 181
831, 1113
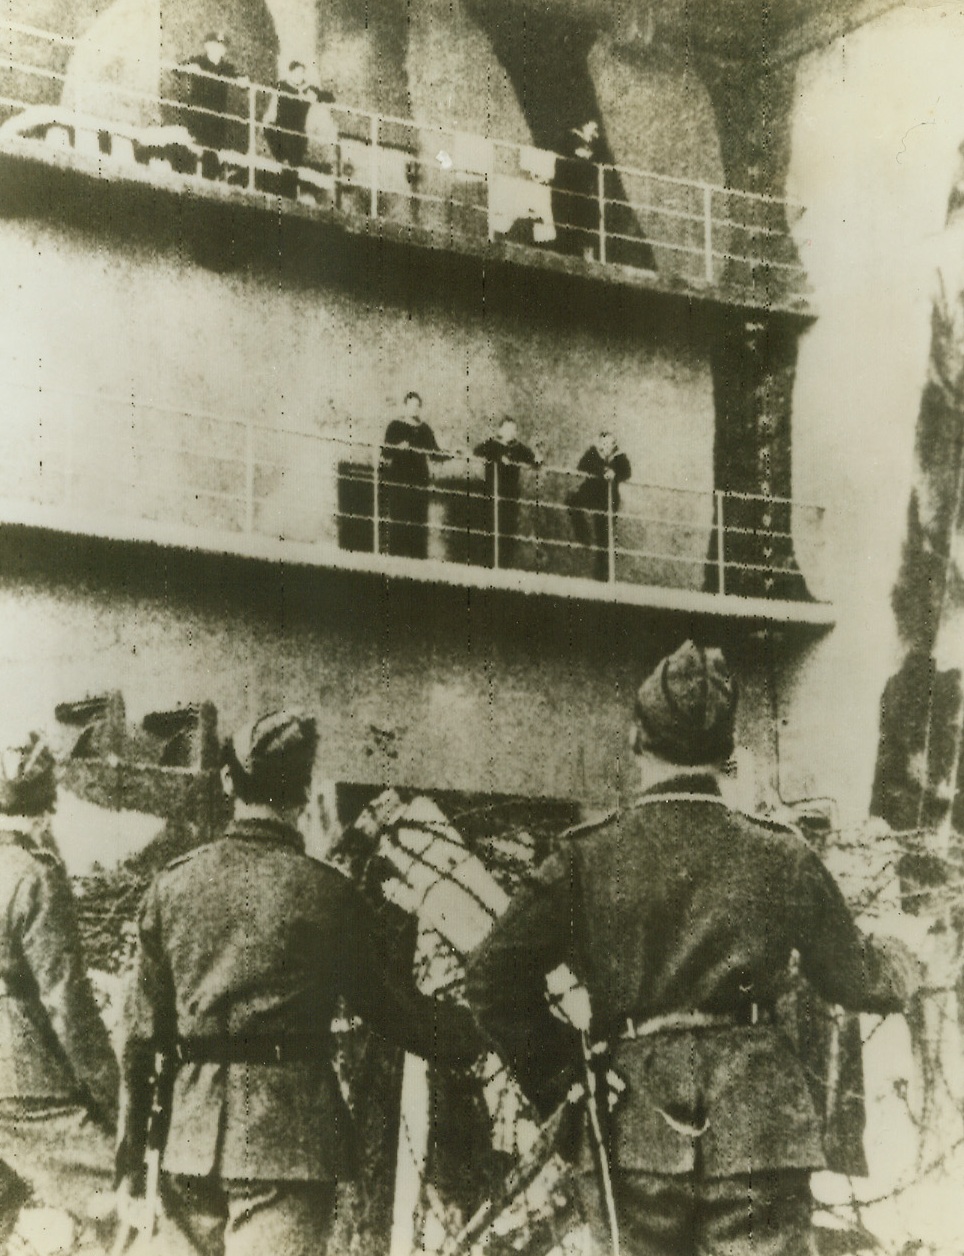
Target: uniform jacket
407, 465
510, 456
247, 939
53, 1044
206, 88
678, 904
593, 493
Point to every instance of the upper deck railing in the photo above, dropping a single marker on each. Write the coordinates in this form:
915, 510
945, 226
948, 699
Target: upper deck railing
130, 469
472, 191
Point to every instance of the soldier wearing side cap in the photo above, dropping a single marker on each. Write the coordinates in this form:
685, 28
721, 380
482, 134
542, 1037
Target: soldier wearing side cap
680, 916
58, 1074
245, 944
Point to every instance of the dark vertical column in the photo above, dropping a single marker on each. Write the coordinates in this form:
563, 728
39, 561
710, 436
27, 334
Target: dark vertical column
754, 351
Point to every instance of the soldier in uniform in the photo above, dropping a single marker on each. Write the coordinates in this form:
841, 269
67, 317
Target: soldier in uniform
58, 1074
679, 916
245, 944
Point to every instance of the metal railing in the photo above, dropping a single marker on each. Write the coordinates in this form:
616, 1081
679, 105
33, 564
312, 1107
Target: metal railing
95, 457
399, 171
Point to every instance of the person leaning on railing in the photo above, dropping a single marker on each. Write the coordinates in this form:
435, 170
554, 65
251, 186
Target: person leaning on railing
404, 477
604, 467
504, 456
286, 121
208, 77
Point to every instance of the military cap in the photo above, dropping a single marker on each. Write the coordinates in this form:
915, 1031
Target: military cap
271, 759
28, 783
685, 710
216, 37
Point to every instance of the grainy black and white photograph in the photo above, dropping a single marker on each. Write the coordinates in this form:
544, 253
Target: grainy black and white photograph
481, 628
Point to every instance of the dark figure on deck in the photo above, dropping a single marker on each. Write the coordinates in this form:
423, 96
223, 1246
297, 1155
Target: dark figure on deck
575, 192
245, 946
287, 135
605, 467
58, 1074
208, 77
404, 480
675, 918
505, 456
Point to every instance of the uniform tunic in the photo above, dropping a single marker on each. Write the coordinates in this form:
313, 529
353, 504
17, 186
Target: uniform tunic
288, 139
245, 946
58, 1074
205, 114
592, 497
509, 457
679, 905
405, 482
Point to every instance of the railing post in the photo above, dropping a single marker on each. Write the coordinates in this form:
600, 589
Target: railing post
611, 529
374, 139
495, 514
708, 269
720, 551
601, 195
252, 133
249, 477
376, 485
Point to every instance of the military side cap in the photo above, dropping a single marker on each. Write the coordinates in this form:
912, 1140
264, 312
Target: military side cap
686, 709
28, 782
276, 753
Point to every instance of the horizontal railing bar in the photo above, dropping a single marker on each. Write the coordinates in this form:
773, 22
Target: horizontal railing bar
435, 491
21, 28
373, 448
484, 534
419, 127
236, 524
340, 180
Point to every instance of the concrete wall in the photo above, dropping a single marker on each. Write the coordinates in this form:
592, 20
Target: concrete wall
92, 316
451, 63
431, 688
423, 687
508, 697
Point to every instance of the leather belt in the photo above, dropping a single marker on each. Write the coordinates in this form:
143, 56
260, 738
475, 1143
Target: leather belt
679, 1022
291, 1049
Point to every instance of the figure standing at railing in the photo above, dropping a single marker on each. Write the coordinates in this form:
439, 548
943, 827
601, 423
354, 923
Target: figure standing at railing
404, 479
286, 122
593, 505
575, 193
505, 456
205, 115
